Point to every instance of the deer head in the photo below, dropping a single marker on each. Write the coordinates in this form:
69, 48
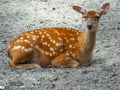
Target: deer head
92, 17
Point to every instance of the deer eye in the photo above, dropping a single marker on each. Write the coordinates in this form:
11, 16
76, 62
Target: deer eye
84, 17
97, 17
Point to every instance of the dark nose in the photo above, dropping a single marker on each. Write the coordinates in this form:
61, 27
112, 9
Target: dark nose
89, 26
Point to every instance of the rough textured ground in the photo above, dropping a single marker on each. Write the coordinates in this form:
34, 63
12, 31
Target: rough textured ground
17, 16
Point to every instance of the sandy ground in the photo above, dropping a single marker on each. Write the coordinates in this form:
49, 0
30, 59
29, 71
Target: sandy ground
18, 16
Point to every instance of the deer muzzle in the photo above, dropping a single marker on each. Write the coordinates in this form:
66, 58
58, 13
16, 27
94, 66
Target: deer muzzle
90, 24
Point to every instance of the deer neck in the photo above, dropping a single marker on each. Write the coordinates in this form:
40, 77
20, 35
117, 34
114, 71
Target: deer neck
90, 38
87, 40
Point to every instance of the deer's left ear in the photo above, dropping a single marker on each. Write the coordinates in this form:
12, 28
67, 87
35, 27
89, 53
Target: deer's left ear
104, 9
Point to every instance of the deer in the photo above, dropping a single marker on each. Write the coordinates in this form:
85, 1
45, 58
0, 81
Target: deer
58, 47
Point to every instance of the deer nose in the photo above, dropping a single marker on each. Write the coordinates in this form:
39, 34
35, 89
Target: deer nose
89, 26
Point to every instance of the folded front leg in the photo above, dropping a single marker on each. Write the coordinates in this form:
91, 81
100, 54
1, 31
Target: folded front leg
64, 61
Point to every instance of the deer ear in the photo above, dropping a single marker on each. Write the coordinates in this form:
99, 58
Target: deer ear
104, 9
79, 9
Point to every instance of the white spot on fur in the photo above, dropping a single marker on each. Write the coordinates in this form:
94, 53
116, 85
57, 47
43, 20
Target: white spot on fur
51, 49
59, 44
41, 39
26, 50
77, 33
67, 54
54, 41
42, 36
18, 40
44, 43
59, 38
37, 36
42, 51
40, 32
36, 31
48, 35
26, 41
73, 47
51, 40
62, 34
28, 36
21, 38
70, 46
57, 32
22, 47
31, 44
54, 53
34, 38
44, 32
47, 53
61, 50
53, 29
50, 54
30, 49
16, 47
72, 39
31, 32
37, 47
73, 54
67, 41
48, 45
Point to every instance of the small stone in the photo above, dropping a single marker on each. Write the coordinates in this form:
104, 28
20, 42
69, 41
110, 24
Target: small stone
53, 8
2, 87
44, 0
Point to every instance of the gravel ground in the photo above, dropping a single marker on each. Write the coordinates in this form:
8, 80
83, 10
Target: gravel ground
18, 16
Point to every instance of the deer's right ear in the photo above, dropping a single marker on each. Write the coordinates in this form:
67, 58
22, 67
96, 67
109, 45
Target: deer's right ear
79, 9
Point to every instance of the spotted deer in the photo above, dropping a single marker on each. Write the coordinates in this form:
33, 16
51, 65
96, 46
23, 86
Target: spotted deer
59, 47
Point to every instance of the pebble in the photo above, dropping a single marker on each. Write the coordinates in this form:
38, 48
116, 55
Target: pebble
2, 87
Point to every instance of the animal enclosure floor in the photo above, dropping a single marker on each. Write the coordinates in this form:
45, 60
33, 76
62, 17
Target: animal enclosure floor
18, 16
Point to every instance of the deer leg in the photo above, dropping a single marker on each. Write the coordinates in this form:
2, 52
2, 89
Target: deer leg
41, 59
19, 59
64, 61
